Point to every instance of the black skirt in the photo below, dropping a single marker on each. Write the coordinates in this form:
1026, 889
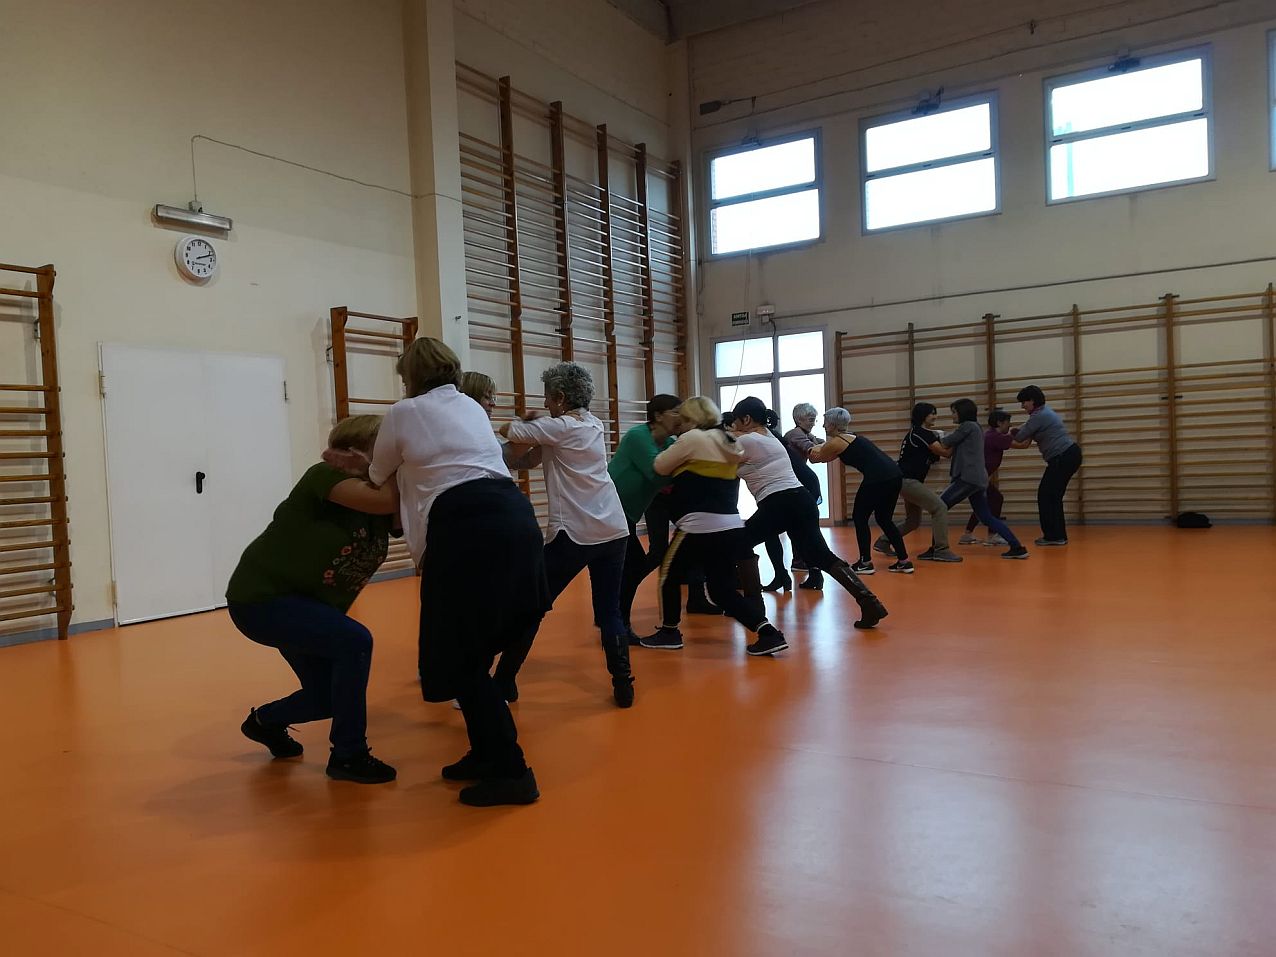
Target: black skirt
483, 581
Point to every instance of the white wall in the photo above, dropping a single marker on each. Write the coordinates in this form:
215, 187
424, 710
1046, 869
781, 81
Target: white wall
828, 65
603, 66
98, 103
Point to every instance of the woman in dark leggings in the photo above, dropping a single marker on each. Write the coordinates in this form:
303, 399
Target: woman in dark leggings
877, 495
785, 505
970, 474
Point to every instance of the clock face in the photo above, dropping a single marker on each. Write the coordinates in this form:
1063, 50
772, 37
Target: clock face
196, 258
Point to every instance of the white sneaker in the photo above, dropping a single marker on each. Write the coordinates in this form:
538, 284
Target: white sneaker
996, 541
968, 539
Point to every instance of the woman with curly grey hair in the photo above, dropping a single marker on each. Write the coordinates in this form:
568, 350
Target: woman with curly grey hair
587, 525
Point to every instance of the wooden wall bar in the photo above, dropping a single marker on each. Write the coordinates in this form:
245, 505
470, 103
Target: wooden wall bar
573, 250
381, 339
1183, 421
35, 536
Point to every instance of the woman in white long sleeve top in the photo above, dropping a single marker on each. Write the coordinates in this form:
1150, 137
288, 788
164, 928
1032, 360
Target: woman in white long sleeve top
587, 525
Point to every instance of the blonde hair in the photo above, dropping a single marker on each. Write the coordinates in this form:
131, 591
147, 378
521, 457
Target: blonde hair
701, 412
428, 364
477, 385
356, 432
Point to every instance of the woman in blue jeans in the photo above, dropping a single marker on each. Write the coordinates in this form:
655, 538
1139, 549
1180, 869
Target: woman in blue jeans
587, 524
965, 448
291, 591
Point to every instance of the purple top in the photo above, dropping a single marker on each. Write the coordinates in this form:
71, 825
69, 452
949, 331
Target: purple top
995, 445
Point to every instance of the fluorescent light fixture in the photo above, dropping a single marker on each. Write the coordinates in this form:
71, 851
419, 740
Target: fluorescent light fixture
187, 217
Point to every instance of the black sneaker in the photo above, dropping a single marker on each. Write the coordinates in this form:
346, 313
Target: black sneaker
863, 567
469, 768
884, 547
362, 769
769, 642
669, 639
1018, 552
1051, 542
901, 568
630, 637
274, 737
491, 792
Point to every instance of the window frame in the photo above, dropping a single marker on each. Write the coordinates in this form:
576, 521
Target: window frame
948, 106
1200, 51
1271, 99
816, 184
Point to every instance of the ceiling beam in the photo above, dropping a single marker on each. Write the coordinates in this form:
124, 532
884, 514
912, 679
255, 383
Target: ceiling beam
651, 15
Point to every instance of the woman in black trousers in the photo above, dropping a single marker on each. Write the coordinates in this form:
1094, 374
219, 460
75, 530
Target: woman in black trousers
462, 512
878, 493
1062, 456
785, 505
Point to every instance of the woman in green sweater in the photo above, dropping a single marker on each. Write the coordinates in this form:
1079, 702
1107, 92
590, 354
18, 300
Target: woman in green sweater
291, 591
631, 469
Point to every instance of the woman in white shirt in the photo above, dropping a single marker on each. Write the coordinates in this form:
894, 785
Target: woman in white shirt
704, 463
460, 512
587, 525
785, 505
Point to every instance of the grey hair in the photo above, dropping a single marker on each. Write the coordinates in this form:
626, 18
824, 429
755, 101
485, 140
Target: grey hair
803, 409
571, 380
838, 418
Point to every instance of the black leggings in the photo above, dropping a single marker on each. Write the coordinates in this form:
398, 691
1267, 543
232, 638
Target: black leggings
718, 553
792, 511
878, 499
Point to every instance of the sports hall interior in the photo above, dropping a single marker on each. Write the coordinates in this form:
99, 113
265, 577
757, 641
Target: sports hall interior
852, 204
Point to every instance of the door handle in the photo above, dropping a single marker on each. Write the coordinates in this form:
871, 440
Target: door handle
199, 483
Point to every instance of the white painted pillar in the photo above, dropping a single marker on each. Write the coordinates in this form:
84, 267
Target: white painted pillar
429, 54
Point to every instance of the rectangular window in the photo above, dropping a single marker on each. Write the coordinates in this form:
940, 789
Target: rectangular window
782, 371
1133, 125
939, 165
764, 196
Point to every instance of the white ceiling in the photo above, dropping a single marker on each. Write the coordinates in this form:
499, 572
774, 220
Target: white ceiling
675, 19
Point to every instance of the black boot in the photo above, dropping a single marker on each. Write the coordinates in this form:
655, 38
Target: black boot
814, 580
750, 580
871, 609
781, 582
698, 602
622, 680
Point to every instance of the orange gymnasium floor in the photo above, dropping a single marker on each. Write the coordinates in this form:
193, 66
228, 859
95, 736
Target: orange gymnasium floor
1068, 756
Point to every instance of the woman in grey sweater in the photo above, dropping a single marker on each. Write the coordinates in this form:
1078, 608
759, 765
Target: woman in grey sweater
970, 475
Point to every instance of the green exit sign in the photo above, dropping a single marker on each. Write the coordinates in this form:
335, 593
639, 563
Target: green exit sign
739, 318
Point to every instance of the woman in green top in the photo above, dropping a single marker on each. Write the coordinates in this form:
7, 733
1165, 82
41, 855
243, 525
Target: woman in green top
637, 482
291, 591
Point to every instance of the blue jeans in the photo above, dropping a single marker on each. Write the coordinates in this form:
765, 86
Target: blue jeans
332, 656
959, 491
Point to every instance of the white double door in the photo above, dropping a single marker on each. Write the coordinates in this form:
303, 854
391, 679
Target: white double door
197, 459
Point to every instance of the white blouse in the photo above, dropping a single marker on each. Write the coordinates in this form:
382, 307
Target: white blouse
433, 442
583, 501
766, 468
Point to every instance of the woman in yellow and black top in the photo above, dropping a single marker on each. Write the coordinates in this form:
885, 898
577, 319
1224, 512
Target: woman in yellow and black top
704, 463
291, 591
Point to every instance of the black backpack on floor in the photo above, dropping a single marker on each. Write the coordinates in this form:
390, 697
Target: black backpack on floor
1193, 520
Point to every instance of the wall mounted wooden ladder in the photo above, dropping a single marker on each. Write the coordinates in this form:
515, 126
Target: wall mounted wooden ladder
35, 539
